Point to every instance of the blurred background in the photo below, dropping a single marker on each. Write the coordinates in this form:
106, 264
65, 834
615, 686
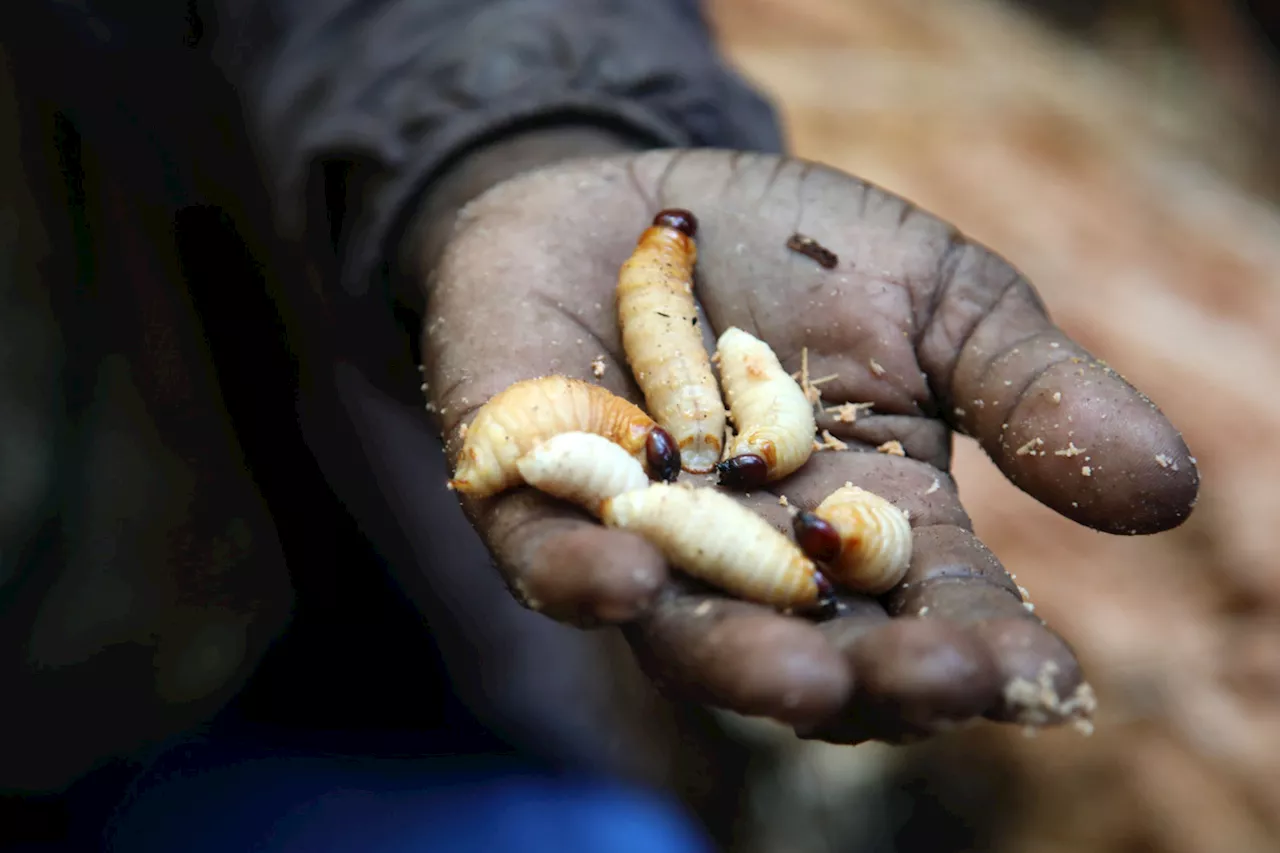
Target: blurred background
1123, 154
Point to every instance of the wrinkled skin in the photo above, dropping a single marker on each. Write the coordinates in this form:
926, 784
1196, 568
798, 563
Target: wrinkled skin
960, 342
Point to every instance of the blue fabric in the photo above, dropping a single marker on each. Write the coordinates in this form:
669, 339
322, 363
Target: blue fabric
327, 804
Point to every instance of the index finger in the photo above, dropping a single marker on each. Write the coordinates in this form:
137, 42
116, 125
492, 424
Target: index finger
1058, 422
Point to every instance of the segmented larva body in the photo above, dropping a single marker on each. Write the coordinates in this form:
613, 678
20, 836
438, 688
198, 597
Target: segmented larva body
582, 468
523, 415
659, 323
773, 418
712, 537
863, 541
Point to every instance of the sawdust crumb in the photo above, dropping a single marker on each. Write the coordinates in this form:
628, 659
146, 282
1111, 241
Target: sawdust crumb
829, 442
1163, 461
598, 366
522, 595
876, 368
1070, 450
937, 484
1037, 703
1086, 471
892, 448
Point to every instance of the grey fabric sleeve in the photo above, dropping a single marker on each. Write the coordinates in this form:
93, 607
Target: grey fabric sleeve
384, 93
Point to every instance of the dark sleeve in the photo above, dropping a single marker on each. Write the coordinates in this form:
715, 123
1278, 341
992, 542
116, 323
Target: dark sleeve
356, 105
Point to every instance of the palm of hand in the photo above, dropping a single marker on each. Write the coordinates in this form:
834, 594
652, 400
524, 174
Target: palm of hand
937, 333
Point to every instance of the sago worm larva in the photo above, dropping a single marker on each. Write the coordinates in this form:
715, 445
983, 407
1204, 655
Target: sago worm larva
863, 541
773, 418
521, 416
712, 537
659, 323
582, 468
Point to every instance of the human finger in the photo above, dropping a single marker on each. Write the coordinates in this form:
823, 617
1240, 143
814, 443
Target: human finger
1060, 424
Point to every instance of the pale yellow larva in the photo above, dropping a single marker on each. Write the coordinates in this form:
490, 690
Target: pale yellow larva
773, 419
658, 319
863, 541
582, 468
711, 537
525, 414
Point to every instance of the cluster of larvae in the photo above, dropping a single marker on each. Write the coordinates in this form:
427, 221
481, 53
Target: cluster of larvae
581, 443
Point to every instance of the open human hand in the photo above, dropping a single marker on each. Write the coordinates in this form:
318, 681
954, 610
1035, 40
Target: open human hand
937, 333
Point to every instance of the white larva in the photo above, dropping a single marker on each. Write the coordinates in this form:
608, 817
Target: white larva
583, 468
658, 320
773, 419
875, 540
712, 537
526, 413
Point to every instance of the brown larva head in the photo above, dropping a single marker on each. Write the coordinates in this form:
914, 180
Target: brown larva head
827, 605
817, 538
662, 455
747, 471
679, 219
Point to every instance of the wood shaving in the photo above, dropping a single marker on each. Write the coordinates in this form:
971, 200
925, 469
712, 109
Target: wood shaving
1030, 446
782, 501
1162, 460
892, 448
829, 442
937, 484
876, 367
810, 386
1070, 450
847, 413
812, 249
